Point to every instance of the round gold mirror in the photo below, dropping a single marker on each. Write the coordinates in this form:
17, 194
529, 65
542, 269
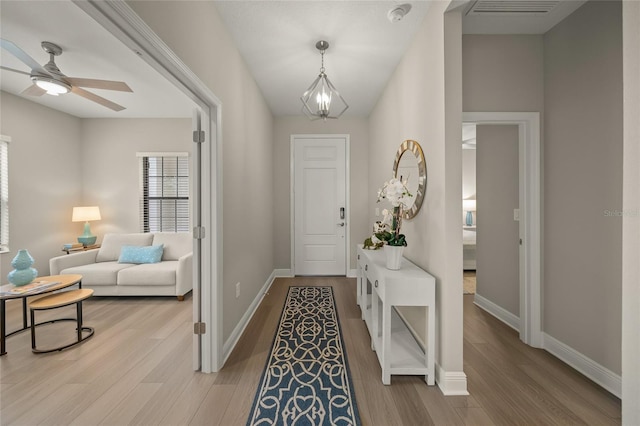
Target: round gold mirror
410, 165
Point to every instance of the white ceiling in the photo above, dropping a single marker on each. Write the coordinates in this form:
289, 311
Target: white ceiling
516, 16
89, 51
276, 39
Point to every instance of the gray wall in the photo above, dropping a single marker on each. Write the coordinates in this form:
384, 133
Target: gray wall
44, 179
359, 137
573, 75
502, 73
583, 179
196, 33
497, 263
110, 166
468, 173
419, 103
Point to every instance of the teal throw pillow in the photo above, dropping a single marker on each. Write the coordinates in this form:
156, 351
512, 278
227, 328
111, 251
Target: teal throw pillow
138, 254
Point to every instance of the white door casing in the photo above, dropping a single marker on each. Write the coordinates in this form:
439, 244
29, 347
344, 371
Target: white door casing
319, 195
119, 19
195, 177
530, 216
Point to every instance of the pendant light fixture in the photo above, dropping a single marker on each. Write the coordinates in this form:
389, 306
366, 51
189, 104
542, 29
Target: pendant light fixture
322, 100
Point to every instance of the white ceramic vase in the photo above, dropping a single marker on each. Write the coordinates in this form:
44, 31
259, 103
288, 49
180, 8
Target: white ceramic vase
394, 256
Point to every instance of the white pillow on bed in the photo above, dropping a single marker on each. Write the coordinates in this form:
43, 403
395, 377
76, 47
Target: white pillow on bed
468, 237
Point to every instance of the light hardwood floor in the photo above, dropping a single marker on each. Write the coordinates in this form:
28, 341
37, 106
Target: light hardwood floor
137, 370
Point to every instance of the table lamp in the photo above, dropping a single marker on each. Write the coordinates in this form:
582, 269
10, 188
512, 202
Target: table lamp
469, 206
86, 214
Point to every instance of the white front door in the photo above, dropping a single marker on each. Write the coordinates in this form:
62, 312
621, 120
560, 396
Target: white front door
319, 188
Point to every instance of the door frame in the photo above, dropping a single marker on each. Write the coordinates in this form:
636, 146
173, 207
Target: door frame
347, 193
122, 22
530, 225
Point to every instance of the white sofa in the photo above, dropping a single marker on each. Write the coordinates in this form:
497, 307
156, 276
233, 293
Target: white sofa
100, 270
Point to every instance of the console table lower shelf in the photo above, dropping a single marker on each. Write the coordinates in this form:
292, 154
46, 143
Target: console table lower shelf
379, 290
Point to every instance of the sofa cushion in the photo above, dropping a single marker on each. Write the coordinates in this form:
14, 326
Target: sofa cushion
151, 274
97, 274
136, 254
112, 244
176, 244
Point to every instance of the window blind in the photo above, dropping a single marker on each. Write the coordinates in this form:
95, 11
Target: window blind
164, 192
4, 193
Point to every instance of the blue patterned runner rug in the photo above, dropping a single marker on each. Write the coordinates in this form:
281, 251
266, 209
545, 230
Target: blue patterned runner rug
306, 380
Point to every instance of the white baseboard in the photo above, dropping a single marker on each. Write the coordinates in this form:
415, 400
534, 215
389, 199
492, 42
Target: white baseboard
594, 371
231, 342
451, 383
497, 311
282, 273
352, 273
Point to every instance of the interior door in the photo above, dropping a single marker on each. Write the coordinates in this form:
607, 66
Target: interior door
320, 217
196, 220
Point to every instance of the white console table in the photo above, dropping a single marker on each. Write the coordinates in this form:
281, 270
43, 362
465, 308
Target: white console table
378, 291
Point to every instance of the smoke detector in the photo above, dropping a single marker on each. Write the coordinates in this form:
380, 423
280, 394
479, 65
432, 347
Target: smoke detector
398, 12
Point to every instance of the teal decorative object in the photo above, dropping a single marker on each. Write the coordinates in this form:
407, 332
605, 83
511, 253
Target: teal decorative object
23, 273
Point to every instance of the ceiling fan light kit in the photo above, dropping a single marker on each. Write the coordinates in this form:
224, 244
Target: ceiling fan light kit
50, 80
52, 87
322, 99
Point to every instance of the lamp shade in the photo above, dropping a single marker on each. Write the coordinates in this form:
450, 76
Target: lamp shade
469, 205
85, 214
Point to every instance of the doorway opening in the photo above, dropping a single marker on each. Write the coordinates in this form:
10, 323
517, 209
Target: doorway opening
529, 214
120, 20
469, 215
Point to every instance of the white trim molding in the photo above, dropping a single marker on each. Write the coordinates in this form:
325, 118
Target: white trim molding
499, 312
530, 216
233, 339
451, 383
594, 371
119, 19
282, 273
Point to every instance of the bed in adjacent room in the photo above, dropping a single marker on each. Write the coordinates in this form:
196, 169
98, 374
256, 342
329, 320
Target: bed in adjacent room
469, 249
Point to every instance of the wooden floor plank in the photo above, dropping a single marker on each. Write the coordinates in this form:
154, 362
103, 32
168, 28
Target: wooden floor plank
129, 407
137, 370
213, 406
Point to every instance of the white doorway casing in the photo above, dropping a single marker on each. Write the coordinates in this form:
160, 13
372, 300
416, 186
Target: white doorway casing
319, 190
530, 184
120, 20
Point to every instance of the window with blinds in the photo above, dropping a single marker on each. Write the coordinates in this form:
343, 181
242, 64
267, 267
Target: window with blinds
164, 192
4, 193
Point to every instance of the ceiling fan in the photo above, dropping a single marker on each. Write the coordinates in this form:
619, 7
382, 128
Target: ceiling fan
49, 79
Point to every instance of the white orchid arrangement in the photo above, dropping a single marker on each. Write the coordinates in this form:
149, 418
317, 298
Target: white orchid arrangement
387, 231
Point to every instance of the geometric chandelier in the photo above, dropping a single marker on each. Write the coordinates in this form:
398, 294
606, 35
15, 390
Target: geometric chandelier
322, 100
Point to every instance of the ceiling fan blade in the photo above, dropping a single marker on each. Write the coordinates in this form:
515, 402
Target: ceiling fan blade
33, 90
14, 70
99, 84
23, 56
95, 98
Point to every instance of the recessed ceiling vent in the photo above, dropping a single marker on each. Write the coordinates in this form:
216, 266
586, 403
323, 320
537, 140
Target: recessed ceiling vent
512, 7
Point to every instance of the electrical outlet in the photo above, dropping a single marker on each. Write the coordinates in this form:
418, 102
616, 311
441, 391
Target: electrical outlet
516, 215
237, 290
